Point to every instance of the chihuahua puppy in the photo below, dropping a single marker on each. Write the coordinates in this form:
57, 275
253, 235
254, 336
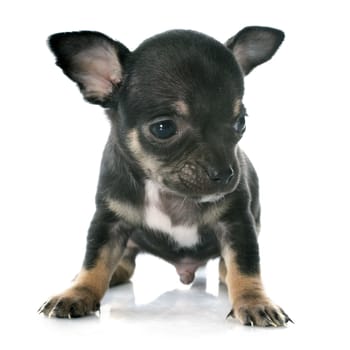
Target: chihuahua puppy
173, 180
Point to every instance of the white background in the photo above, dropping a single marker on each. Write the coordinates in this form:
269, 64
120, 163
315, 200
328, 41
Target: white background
297, 136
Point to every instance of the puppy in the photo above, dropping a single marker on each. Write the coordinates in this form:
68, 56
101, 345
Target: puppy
173, 180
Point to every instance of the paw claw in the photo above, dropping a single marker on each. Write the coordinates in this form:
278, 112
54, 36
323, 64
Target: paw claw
287, 318
271, 323
40, 310
231, 314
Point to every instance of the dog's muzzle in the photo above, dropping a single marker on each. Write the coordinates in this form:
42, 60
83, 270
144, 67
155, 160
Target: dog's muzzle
203, 184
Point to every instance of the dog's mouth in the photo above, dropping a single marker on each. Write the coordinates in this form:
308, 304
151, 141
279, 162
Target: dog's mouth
211, 198
202, 196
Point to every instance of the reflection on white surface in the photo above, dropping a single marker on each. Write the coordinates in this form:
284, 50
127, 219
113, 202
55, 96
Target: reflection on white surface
170, 310
155, 311
179, 302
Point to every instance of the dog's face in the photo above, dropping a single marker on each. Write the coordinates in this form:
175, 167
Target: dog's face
175, 102
184, 113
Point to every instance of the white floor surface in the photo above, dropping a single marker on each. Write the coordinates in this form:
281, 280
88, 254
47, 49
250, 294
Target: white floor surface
155, 311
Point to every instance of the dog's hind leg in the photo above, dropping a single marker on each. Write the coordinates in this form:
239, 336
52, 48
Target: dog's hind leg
222, 270
125, 267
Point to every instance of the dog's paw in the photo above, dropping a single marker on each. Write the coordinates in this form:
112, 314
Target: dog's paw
75, 302
260, 313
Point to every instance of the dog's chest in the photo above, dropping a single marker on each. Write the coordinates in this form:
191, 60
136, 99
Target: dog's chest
170, 215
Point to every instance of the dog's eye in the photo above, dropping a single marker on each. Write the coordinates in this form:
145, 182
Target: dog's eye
239, 125
163, 129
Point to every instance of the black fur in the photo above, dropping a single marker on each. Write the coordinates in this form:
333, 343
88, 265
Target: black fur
194, 83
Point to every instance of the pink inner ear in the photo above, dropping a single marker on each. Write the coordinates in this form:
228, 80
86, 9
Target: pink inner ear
97, 69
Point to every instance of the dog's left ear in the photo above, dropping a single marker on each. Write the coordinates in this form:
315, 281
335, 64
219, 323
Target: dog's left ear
254, 45
93, 60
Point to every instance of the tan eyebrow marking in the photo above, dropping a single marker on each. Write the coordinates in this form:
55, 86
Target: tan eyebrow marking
182, 108
237, 106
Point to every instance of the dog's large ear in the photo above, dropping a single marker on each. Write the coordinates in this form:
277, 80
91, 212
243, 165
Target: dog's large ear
93, 60
254, 45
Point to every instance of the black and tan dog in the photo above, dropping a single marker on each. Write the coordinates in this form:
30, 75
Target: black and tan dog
173, 179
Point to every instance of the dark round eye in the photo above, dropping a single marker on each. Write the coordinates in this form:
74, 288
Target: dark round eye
163, 129
239, 125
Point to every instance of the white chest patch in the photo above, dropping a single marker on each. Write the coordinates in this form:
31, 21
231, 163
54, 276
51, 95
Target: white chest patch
155, 218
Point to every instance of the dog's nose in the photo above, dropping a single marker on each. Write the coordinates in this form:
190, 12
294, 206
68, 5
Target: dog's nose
220, 176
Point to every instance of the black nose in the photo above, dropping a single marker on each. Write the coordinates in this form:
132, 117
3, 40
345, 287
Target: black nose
220, 176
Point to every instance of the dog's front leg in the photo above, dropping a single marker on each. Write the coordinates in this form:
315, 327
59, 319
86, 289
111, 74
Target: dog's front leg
239, 269
105, 245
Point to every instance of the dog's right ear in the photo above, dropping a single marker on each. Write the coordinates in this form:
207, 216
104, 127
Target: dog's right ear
253, 46
93, 60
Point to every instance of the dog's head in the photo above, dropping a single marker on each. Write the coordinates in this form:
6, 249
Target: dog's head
175, 102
